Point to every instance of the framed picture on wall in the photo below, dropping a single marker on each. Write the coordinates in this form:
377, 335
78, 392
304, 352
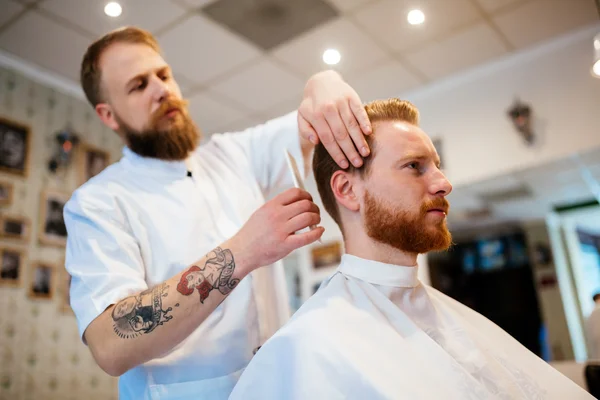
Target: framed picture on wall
53, 231
11, 266
41, 280
327, 255
6, 193
92, 160
14, 147
15, 227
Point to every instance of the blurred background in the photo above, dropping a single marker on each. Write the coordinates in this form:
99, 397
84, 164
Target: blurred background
507, 90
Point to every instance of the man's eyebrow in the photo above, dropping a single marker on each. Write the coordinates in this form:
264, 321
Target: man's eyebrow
418, 157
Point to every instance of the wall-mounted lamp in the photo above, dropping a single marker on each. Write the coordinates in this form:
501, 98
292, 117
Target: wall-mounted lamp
66, 141
596, 65
521, 117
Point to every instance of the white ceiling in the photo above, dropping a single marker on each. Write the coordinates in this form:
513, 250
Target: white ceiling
232, 84
558, 183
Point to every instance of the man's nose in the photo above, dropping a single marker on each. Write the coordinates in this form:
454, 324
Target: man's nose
441, 185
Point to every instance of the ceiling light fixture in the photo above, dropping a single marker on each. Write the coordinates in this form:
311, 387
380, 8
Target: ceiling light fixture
331, 57
113, 9
415, 17
596, 65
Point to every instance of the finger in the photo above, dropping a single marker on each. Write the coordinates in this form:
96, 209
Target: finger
358, 109
292, 195
342, 136
302, 239
323, 129
306, 130
299, 207
354, 130
302, 221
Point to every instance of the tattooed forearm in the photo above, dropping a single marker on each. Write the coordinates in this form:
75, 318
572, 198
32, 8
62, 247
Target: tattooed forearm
216, 273
142, 313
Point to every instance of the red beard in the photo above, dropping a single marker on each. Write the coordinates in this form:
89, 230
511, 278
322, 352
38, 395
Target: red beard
404, 231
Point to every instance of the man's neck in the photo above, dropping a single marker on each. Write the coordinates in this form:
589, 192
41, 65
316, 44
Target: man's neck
363, 246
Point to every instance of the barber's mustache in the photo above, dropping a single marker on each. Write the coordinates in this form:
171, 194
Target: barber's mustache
170, 105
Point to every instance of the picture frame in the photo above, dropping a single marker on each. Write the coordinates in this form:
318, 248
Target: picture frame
41, 280
7, 190
326, 255
12, 266
15, 142
52, 229
91, 161
15, 227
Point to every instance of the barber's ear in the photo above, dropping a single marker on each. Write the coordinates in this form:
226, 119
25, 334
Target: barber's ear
107, 116
345, 189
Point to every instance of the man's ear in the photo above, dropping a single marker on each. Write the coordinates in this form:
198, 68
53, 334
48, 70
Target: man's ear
104, 111
346, 189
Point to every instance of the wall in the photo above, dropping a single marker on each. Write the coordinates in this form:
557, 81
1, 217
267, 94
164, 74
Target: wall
41, 355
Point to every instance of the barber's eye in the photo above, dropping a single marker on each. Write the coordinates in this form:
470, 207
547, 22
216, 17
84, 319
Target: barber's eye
138, 87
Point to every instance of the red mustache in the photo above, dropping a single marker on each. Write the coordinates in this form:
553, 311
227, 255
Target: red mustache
439, 203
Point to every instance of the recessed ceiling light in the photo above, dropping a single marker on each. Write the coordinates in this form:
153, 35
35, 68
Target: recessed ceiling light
113, 9
415, 17
596, 69
331, 57
596, 65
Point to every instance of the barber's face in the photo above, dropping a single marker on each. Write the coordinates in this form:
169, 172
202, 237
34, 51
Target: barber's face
144, 102
404, 199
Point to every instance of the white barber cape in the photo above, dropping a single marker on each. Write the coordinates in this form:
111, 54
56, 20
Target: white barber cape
373, 331
142, 221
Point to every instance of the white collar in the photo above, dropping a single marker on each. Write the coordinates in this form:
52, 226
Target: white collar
155, 166
379, 273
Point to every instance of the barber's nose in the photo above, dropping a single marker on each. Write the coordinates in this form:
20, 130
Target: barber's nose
161, 89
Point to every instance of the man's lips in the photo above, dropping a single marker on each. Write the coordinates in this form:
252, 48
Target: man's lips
438, 210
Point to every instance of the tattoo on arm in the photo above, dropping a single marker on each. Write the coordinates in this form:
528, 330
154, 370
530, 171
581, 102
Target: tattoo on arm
142, 313
215, 274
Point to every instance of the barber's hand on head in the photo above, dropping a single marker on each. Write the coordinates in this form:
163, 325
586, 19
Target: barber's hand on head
332, 112
270, 233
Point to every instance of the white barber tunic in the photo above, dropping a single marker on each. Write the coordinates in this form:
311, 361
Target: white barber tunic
142, 221
373, 331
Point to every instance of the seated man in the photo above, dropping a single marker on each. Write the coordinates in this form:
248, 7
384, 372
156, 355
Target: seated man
373, 330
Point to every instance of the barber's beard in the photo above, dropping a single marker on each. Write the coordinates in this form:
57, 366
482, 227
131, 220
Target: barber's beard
170, 139
406, 231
